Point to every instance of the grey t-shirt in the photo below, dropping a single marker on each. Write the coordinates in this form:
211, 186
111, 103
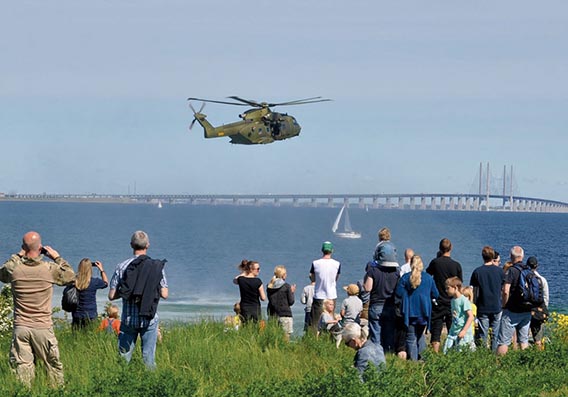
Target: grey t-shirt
353, 307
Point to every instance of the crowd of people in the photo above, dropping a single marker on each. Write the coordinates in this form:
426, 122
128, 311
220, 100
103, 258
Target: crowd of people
393, 308
140, 281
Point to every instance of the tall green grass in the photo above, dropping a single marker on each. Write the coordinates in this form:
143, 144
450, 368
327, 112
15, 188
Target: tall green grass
205, 360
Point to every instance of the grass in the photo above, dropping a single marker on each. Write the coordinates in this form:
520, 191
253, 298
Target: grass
205, 360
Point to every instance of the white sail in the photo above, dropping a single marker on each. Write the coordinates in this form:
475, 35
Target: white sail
346, 231
347, 225
336, 223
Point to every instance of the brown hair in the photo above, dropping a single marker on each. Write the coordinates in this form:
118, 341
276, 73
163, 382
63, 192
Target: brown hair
488, 254
445, 245
246, 265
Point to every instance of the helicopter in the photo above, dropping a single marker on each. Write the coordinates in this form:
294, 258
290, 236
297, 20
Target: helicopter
259, 125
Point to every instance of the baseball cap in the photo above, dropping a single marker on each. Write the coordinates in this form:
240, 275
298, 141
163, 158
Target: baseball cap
327, 246
532, 262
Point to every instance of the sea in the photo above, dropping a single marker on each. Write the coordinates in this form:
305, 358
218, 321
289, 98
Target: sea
204, 244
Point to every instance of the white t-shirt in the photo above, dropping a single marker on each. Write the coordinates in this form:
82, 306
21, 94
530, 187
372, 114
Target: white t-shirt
326, 272
405, 268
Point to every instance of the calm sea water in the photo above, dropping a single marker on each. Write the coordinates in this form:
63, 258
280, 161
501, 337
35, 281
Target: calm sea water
204, 244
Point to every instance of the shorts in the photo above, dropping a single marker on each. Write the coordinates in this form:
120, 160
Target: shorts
441, 315
511, 322
537, 330
287, 324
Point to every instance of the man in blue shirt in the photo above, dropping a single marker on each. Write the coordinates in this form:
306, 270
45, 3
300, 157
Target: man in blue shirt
138, 318
487, 282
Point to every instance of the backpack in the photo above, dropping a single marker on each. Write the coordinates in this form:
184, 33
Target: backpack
109, 327
70, 298
530, 287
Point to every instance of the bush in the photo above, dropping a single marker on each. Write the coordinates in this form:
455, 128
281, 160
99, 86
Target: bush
205, 360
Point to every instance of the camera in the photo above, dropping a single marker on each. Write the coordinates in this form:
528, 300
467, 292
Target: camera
43, 251
93, 264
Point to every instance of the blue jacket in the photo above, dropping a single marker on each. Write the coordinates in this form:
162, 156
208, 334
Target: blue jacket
417, 302
385, 251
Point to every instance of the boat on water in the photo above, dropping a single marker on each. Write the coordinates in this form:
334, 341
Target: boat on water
160, 204
346, 231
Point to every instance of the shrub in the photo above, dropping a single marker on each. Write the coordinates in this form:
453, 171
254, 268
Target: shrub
6, 318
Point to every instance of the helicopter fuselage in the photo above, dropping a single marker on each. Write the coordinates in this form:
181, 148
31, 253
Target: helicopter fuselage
259, 126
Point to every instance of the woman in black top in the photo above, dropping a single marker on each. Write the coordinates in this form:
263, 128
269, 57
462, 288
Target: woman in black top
251, 289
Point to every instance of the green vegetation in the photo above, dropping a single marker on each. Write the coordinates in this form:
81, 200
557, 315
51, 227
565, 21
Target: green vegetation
205, 360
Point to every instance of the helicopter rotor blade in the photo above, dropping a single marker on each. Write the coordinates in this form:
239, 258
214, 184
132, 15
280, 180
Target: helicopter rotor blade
194, 112
300, 102
213, 101
247, 101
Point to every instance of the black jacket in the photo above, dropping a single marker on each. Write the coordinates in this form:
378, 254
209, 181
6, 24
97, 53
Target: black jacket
280, 299
141, 284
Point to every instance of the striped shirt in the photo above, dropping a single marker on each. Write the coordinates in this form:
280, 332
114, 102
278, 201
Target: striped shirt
130, 309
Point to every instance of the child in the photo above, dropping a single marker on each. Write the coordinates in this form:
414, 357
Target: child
307, 299
234, 322
461, 332
329, 322
468, 293
352, 306
111, 323
280, 299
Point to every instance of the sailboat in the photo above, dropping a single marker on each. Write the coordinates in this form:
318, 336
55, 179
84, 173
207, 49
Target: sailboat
159, 203
346, 231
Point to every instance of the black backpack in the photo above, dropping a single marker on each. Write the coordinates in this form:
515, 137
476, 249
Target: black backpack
530, 287
70, 298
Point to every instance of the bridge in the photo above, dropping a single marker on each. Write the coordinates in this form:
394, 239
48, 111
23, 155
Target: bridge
400, 201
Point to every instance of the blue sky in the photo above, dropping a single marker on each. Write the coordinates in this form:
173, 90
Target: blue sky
93, 95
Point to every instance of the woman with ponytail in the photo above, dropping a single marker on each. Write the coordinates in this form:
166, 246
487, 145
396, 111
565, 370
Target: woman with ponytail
251, 289
417, 291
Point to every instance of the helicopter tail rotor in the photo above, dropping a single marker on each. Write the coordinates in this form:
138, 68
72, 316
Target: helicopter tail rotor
195, 113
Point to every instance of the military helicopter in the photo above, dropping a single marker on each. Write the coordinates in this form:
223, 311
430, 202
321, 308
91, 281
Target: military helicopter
259, 125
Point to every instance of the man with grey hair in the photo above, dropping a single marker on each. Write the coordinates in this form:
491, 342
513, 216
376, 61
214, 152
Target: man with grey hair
367, 351
140, 281
516, 316
32, 279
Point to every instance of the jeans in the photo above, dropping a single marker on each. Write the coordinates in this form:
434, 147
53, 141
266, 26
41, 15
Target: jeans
382, 325
148, 335
487, 321
415, 340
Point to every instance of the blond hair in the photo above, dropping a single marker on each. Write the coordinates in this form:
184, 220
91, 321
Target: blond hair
416, 266
384, 234
112, 311
279, 272
325, 302
84, 274
467, 291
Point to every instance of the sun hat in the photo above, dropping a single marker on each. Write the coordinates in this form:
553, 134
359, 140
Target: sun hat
352, 289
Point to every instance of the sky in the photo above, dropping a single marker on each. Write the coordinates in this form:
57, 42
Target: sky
93, 95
